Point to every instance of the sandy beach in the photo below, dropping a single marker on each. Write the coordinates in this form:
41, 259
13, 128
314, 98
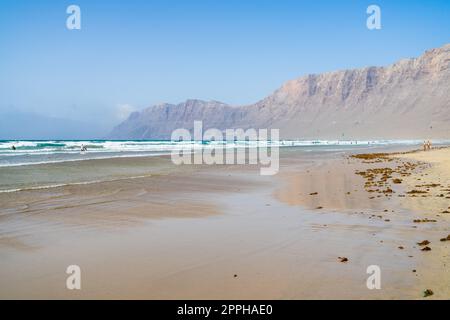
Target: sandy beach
226, 232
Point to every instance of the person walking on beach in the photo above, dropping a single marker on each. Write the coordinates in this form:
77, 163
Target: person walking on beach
424, 145
429, 144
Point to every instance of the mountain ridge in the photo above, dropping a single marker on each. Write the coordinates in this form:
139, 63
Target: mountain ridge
406, 100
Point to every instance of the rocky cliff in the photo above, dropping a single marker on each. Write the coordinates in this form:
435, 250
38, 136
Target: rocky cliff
407, 100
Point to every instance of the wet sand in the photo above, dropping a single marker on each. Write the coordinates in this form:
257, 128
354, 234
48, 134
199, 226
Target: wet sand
388, 188
225, 232
433, 205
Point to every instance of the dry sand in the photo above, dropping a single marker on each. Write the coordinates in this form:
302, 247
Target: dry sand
226, 232
433, 205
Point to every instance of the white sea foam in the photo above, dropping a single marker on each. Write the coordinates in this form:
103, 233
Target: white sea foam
58, 185
18, 164
54, 151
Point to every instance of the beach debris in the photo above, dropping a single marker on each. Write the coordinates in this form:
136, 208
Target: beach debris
446, 239
343, 259
318, 208
401, 247
423, 220
431, 185
371, 156
427, 293
313, 193
380, 179
416, 192
424, 243
426, 249
235, 276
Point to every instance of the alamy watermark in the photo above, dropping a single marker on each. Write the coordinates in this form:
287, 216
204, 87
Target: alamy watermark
374, 20
73, 21
374, 280
73, 281
231, 146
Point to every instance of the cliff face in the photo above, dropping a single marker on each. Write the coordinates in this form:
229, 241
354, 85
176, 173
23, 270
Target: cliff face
158, 122
409, 99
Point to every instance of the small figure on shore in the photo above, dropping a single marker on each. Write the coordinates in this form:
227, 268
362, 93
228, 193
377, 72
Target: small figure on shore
427, 145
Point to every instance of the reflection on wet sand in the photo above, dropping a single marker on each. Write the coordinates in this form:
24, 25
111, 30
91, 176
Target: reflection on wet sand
227, 232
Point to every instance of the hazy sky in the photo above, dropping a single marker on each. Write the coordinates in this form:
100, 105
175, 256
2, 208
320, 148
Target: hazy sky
132, 54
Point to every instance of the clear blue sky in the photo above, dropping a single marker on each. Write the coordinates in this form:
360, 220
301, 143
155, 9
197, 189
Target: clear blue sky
138, 53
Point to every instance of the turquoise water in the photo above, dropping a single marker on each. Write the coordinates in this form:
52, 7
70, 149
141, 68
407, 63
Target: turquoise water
49, 164
29, 152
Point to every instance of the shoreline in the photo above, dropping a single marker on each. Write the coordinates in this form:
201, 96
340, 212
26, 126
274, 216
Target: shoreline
226, 233
49, 175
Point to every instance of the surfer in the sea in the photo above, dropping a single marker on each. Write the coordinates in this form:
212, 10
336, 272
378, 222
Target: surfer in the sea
13, 147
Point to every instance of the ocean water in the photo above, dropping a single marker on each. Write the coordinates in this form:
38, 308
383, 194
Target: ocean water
28, 152
49, 164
